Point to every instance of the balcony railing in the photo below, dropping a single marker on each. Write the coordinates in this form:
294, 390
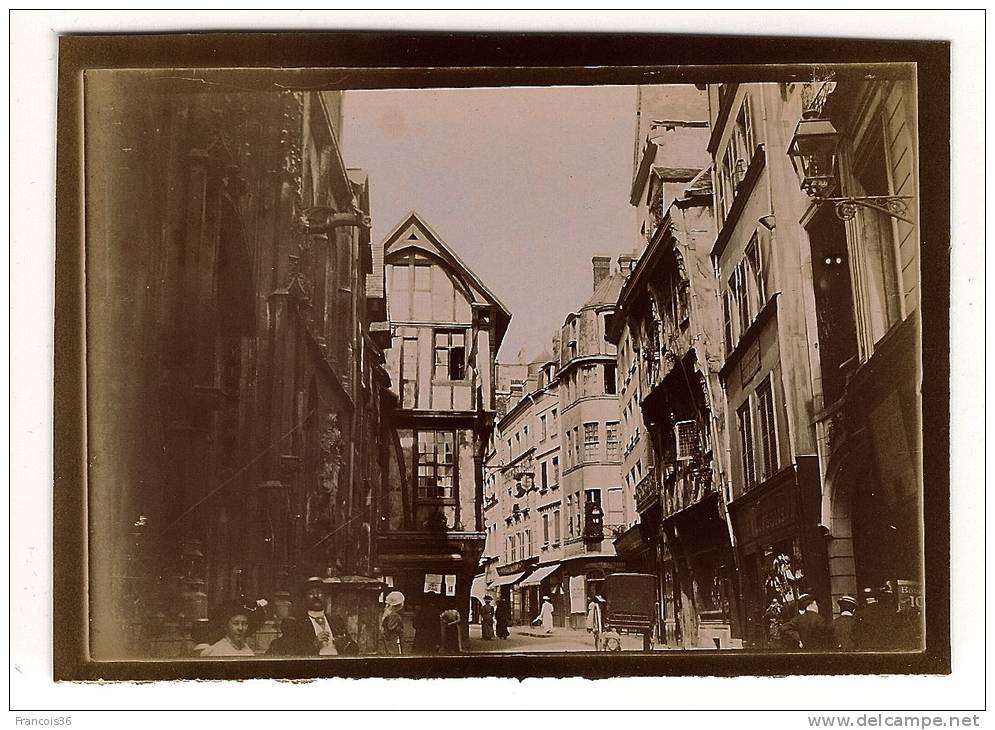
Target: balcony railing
647, 490
686, 483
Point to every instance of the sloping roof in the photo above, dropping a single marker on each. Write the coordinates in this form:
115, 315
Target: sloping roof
701, 184
606, 292
394, 241
542, 358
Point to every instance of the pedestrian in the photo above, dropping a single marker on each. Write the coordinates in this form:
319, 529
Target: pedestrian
596, 619
449, 628
502, 616
316, 632
545, 616
808, 630
392, 623
487, 619
876, 625
844, 623
428, 635
238, 623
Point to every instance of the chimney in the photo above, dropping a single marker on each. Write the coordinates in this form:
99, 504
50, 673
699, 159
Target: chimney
602, 268
626, 263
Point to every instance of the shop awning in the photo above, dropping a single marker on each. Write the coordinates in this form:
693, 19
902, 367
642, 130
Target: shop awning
478, 589
507, 580
540, 574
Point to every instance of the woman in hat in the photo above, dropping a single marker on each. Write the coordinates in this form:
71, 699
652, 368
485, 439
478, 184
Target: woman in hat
391, 623
239, 622
545, 616
487, 619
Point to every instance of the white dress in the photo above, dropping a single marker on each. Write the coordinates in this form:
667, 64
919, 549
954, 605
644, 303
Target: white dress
224, 647
546, 615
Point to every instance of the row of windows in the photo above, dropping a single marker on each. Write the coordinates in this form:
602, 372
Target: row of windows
590, 380
519, 441
450, 363
734, 161
519, 546
745, 293
589, 451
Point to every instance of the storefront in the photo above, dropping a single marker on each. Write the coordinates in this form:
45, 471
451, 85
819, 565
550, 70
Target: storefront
580, 578
503, 587
700, 577
535, 586
782, 551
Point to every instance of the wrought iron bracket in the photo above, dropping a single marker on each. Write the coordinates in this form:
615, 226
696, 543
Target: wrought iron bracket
893, 205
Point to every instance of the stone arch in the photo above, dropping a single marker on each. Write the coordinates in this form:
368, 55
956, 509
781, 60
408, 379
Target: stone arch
837, 513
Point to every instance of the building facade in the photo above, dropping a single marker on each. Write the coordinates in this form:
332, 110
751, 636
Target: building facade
522, 506
590, 446
868, 421
238, 391
670, 320
446, 329
821, 344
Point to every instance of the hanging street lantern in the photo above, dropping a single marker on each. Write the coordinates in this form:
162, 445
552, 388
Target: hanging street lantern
814, 153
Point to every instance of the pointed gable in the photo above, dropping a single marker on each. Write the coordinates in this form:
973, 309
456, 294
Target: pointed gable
414, 233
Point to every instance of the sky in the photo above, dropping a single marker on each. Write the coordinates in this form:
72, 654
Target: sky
525, 184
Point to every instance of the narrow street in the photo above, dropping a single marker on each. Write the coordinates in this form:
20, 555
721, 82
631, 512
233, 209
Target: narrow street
531, 639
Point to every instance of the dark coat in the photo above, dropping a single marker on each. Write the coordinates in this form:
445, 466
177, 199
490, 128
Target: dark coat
502, 615
843, 627
811, 630
428, 634
298, 638
392, 632
875, 628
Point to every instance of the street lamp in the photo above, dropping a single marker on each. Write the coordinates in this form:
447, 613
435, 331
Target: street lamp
814, 153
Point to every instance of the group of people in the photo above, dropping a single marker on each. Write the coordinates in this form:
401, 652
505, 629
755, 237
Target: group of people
319, 633
494, 619
498, 612
869, 626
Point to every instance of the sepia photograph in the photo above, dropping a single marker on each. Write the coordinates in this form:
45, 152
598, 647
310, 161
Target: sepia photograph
478, 355
430, 371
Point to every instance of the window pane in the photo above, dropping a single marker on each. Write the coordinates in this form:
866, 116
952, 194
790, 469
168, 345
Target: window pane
423, 277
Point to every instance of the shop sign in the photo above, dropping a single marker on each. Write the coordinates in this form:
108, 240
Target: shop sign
578, 601
772, 515
450, 585
909, 595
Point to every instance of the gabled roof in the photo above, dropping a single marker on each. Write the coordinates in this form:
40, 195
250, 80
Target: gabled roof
414, 232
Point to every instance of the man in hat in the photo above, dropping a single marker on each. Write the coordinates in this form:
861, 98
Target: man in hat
808, 630
596, 619
875, 624
844, 623
316, 633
